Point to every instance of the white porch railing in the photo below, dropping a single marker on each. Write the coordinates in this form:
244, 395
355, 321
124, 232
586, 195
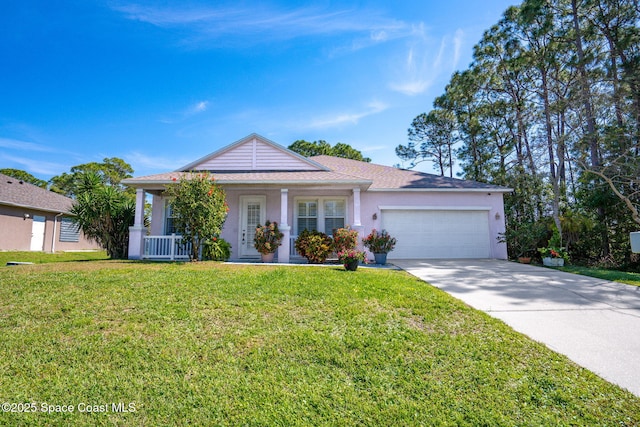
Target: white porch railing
292, 247
165, 247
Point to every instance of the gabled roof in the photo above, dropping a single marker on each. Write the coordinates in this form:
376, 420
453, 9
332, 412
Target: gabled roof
255, 160
386, 178
14, 192
253, 153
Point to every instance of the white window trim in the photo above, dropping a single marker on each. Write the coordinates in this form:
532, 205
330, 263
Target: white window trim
165, 216
321, 217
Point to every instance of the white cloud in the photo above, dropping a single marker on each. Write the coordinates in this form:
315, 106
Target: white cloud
16, 144
425, 62
458, 39
35, 166
146, 164
264, 23
191, 110
343, 118
197, 108
200, 107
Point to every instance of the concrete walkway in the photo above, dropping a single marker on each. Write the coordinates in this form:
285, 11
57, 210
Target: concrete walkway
594, 322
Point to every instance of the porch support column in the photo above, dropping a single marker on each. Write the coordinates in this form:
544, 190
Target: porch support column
285, 228
137, 231
356, 208
357, 224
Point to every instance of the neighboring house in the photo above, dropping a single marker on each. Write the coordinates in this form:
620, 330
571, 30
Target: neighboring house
431, 216
35, 219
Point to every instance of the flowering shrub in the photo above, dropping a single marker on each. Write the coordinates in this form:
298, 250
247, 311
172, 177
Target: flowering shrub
344, 239
379, 242
314, 246
199, 209
267, 238
350, 255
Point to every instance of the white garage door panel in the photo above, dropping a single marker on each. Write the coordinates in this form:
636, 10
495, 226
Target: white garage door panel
438, 234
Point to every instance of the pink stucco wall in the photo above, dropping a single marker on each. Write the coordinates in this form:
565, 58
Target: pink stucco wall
371, 203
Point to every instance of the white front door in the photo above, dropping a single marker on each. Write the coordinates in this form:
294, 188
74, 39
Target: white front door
252, 213
37, 233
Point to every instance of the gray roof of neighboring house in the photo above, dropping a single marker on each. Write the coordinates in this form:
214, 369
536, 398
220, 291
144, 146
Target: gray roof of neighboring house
14, 192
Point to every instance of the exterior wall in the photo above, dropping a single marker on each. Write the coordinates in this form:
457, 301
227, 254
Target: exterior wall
231, 230
15, 231
372, 202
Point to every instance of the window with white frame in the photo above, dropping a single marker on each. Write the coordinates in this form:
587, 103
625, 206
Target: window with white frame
169, 227
334, 215
323, 214
307, 215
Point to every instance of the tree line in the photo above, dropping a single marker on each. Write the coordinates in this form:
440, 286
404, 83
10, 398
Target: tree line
549, 106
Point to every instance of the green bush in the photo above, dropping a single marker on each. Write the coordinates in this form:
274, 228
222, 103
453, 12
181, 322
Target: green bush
315, 246
216, 249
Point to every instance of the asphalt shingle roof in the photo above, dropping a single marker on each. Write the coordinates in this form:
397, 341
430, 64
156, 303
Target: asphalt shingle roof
387, 178
14, 192
341, 171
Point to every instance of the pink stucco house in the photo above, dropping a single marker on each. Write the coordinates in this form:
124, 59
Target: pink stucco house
431, 216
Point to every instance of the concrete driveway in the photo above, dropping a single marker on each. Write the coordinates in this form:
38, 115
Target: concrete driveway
594, 322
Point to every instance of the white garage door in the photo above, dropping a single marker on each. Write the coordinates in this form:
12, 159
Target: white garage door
438, 233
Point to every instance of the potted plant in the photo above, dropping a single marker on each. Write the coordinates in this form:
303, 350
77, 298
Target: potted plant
553, 257
380, 243
267, 240
315, 246
350, 258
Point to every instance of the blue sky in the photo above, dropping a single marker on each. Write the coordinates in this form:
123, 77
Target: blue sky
161, 84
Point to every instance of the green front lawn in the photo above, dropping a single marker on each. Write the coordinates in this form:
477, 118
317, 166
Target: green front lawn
601, 273
45, 257
209, 343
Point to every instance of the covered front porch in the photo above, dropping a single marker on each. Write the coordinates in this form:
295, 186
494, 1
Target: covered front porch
319, 207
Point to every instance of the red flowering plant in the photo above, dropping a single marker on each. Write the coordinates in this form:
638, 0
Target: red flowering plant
350, 255
550, 252
199, 209
554, 248
344, 239
379, 242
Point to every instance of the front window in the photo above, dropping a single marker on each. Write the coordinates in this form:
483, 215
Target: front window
169, 227
307, 216
322, 214
334, 213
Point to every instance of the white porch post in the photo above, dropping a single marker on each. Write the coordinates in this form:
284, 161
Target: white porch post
137, 230
356, 208
285, 228
357, 223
